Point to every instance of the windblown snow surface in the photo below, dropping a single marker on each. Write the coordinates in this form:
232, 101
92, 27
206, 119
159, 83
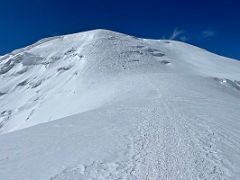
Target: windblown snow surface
101, 105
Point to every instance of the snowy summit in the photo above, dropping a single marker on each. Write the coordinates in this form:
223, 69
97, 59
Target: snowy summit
102, 105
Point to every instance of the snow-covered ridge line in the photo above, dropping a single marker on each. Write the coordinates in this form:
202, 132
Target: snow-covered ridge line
96, 31
105, 105
77, 59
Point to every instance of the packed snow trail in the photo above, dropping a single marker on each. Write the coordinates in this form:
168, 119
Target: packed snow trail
148, 134
102, 105
164, 146
168, 142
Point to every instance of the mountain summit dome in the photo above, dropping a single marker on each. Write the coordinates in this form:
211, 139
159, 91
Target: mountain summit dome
106, 105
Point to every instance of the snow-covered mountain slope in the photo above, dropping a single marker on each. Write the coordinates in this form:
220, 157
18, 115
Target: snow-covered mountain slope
105, 105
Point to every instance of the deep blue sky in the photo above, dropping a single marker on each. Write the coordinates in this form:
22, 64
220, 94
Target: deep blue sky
213, 25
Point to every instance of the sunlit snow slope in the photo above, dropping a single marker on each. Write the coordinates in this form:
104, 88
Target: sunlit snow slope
105, 105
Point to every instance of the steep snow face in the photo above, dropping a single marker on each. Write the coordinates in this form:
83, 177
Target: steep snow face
105, 105
61, 76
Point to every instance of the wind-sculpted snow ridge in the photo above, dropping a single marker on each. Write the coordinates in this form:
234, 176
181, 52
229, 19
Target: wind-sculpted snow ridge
104, 105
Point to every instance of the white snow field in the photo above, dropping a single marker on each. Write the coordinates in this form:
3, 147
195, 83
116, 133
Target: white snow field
101, 105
